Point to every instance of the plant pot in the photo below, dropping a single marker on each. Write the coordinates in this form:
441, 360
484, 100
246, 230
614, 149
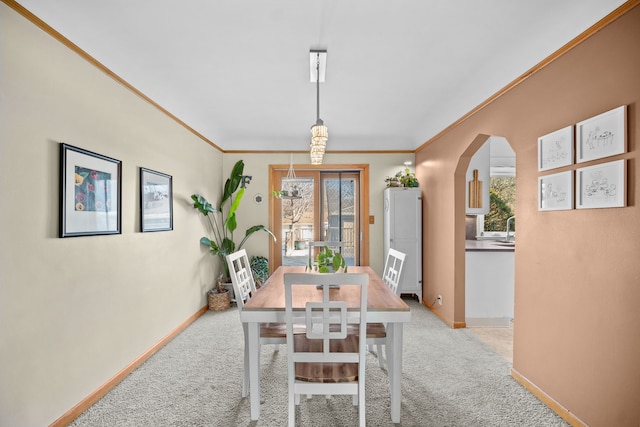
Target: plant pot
219, 301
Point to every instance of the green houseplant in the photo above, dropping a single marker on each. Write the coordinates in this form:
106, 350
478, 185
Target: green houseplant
328, 261
260, 269
223, 225
404, 178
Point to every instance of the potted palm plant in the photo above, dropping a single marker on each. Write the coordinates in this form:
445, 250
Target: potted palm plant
223, 226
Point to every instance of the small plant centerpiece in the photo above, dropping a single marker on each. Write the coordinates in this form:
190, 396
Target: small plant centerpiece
223, 226
328, 261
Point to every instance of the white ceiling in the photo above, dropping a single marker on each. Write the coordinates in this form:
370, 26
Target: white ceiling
398, 72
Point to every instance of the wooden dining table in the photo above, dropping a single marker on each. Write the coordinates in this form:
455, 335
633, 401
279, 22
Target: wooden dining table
383, 305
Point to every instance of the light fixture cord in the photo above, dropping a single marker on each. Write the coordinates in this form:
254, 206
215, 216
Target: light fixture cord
318, 88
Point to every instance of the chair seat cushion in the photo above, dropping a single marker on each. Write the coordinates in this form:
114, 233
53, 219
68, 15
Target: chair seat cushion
278, 330
327, 372
374, 330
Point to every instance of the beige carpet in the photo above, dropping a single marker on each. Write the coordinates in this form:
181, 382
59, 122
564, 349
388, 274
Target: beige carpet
450, 378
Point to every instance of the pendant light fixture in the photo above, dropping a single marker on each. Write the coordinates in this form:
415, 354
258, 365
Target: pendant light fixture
319, 132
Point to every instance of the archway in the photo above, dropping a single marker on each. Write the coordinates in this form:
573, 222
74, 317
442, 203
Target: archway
484, 262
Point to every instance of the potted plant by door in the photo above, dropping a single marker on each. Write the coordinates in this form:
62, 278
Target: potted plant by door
260, 269
222, 226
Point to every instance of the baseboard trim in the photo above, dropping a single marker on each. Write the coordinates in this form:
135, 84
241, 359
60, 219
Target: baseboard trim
454, 325
85, 403
548, 400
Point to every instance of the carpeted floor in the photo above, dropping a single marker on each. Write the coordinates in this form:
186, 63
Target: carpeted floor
450, 378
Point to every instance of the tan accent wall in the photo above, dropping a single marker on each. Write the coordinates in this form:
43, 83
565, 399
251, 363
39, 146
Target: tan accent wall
577, 272
75, 311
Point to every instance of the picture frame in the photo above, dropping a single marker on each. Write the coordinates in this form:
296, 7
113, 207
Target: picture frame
156, 201
90, 193
555, 191
602, 136
602, 186
555, 149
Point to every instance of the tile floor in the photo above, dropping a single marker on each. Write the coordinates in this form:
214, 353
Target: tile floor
500, 339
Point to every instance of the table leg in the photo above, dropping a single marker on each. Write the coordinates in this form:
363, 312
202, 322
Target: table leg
254, 369
394, 366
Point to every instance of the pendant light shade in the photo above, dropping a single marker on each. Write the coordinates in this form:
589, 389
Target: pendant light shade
319, 132
319, 136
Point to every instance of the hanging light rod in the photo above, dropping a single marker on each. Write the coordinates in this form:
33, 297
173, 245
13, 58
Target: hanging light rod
317, 58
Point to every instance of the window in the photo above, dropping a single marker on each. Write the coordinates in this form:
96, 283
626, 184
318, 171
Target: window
502, 196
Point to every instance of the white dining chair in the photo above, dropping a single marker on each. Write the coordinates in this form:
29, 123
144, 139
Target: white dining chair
333, 245
377, 332
244, 287
329, 358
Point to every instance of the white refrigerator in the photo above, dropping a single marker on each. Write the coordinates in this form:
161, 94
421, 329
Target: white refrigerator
403, 232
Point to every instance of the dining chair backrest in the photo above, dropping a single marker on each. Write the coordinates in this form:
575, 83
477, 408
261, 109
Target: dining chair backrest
241, 276
333, 245
329, 358
244, 288
393, 269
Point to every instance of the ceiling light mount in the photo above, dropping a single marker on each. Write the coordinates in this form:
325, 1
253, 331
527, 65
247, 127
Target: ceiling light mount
319, 132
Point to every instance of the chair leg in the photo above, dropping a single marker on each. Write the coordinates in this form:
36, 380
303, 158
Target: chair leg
277, 347
245, 372
380, 361
355, 399
292, 408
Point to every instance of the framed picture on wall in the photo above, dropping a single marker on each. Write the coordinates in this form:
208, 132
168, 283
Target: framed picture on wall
555, 191
156, 201
602, 185
602, 136
555, 149
90, 193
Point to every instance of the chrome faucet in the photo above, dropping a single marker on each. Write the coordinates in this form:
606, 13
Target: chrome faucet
509, 226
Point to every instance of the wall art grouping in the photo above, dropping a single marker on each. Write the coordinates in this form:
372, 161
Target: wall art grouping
91, 195
602, 185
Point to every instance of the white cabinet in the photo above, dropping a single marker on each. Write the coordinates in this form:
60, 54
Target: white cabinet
403, 232
489, 290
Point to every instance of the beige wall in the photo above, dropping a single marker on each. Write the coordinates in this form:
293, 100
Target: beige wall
75, 311
577, 274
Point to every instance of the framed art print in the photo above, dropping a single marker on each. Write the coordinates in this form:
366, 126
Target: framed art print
555, 149
156, 201
602, 185
602, 136
555, 191
90, 193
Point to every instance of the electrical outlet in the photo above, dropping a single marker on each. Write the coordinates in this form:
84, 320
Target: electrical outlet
439, 299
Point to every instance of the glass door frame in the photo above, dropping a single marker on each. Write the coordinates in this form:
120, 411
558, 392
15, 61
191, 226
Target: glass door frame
275, 207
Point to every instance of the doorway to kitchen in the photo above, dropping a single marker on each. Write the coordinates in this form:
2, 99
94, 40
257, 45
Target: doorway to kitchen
490, 247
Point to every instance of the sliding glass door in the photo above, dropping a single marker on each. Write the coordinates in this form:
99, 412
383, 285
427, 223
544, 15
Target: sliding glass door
327, 207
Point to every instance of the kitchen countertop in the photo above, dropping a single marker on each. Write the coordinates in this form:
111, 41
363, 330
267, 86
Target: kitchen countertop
489, 245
